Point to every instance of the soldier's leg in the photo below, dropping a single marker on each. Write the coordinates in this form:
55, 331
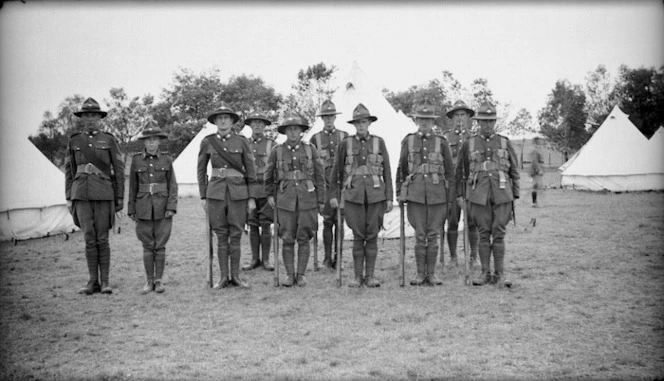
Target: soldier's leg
265, 217
482, 215
435, 215
287, 230
218, 224
163, 229
254, 239
417, 217
144, 233
307, 226
83, 210
357, 220
501, 216
454, 215
236, 217
103, 216
374, 221
329, 223
473, 237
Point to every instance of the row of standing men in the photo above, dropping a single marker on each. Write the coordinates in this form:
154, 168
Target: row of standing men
250, 178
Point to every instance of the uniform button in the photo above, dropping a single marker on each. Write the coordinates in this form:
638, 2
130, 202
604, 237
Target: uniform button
365, 176
225, 166
490, 175
425, 148
151, 164
90, 145
151, 174
425, 175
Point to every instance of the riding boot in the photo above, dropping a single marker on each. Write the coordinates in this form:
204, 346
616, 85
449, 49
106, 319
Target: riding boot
92, 259
328, 242
452, 237
498, 249
222, 254
420, 262
288, 254
303, 252
442, 245
358, 257
371, 253
473, 237
266, 245
235, 252
159, 264
485, 260
255, 244
431, 254
104, 269
148, 264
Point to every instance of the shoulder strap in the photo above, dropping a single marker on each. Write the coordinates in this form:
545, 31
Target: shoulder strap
319, 144
89, 154
307, 149
375, 144
437, 142
280, 152
268, 146
411, 143
503, 142
229, 159
471, 144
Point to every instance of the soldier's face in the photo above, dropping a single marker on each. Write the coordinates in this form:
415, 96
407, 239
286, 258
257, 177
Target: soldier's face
328, 121
90, 120
424, 124
257, 127
487, 126
362, 126
152, 144
224, 122
460, 119
293, 134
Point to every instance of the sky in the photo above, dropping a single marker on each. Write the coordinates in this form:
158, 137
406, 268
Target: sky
52, 50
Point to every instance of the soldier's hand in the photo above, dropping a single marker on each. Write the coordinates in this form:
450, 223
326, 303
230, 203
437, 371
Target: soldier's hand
169, 214
119, 204
251, 205
388, 206
133, 216
204, 204
321, 208
270, 200
334, 203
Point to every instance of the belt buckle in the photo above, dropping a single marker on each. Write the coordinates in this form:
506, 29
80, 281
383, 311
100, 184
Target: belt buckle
152, 188
89, 168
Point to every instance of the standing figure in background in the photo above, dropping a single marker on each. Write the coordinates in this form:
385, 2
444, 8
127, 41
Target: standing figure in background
227, 195
424, 178
536, 172
327, 143
153, 200
362, 178
296, 178
94, 186
489, 169
460, 115
259, 221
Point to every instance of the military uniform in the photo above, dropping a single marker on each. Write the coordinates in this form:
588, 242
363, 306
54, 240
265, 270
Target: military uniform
94, 183
455, 138
489, 168
362, 170
327, 143
153, 199
424, 179
295, 180
231, 184
260, 220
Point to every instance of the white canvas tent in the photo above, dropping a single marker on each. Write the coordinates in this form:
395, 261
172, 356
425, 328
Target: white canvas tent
32, 194
617, 158
185, 165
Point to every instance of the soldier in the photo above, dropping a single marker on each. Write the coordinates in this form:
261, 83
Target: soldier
94, 186
228, 195
362, 171
460, 115
327, 143
296, 178
489, 170
535, 171
259, 221
153, 200
424, 179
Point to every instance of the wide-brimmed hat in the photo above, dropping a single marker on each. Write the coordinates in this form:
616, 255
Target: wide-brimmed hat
223, 109
92, 106
460, 105
293, 119
425, 110
487, 111
257, 115
152, 129
327, 108
362, 112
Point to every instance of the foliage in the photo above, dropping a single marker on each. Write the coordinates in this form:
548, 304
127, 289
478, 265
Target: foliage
127, 116
245, 94
562, 120
641, 94
600, 97
312, 88
54, 130
521, 125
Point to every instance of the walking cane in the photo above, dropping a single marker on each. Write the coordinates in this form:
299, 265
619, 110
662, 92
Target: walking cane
208, 231
402, 241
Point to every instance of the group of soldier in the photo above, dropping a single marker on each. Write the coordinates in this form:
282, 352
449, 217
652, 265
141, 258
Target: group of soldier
256, 182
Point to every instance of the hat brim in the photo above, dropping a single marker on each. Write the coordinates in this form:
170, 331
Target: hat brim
159, 135
282, 129
248, 121
424, 116
328, 113
450, 113
484, 117
370, 117
102, 113
233, 115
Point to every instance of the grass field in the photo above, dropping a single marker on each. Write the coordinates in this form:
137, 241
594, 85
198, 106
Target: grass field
587, 304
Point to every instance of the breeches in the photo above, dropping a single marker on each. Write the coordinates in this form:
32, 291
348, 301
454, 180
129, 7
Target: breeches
300, 225
154, 234
427, 220
227, 219
365, 220
491, 219
96, 219
262, 215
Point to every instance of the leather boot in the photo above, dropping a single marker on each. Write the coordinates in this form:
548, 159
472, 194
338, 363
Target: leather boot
358, 257
266, 245
149, 287
356, 282
303, 252
420, 259
236, 281
222, 254
452, 237
254, 243
288, 253
159, 263
92, 259
498, 249
158, 286
485, 260
328, 243
235, 267
431, 254
223, 283
301, 280
371, 253
149, 264
473, 237
90, 288
104, 269
442, 245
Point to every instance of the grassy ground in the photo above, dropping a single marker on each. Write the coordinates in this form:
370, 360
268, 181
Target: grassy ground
587, 304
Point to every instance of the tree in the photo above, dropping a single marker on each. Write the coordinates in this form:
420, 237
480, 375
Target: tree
313, 87
127, 116
521, 125
599, 97
562, 120
641, 94
248, 93
54, 130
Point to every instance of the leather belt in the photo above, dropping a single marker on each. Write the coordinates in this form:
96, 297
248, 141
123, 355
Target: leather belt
153, 187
